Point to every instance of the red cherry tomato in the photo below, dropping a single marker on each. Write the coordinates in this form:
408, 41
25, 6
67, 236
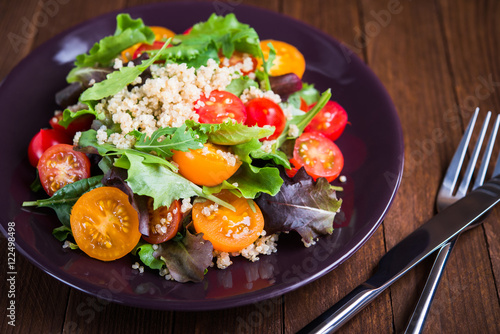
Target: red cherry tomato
303, 105
330, 121
318, 155
164, 222
81, 123
61, 165
220, 106
188, 30
262, 111
237, 58
44, 139
157, 45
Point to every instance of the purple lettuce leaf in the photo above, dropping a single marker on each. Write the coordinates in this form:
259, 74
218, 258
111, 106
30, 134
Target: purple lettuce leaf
301, 205
188, 258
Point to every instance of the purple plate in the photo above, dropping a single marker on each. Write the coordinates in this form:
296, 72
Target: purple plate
372, 145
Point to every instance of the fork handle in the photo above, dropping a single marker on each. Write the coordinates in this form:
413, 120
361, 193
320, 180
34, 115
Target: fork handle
417, 320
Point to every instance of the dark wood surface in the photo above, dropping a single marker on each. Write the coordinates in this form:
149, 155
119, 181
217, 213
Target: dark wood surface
438, 59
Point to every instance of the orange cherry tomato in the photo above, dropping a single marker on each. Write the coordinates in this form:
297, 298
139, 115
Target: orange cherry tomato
227, 230
288, 58
104, 223
161, 34
164, 222
207, 166
60, 165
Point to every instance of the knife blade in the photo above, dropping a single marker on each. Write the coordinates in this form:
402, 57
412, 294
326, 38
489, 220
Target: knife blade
410, 251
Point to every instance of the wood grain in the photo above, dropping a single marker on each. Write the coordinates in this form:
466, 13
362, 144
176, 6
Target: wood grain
438, 59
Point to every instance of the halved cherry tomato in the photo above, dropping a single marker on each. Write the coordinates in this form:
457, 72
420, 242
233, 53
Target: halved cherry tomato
164, 222
188, 30
288, 58
219, 107
262, 111
44, 139
237, 58
157, 45
81, 123
227, 230
61, 165
161, 34
208, 166
330, 121
303, 105
104, 224
318, 155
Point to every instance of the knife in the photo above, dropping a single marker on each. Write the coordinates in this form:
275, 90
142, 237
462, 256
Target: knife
428, 238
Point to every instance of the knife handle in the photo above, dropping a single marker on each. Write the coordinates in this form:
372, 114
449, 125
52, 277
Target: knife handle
337, 315
417, 321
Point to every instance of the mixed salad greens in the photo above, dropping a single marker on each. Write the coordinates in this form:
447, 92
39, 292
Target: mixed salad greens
234, 174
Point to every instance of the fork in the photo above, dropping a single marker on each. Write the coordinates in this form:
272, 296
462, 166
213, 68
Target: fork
447, 196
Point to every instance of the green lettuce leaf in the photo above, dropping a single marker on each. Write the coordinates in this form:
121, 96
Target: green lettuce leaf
62, 233
63, 200
117, 80
160, 183
146, 255
308, 93
128, 32
69, 116
238, 85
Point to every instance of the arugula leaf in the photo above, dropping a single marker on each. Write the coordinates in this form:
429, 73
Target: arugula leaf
266, 65
164, 140
128, 32
117, 80
308, 93
146, 254
238, 85
62, 201
302, 205
162, 184
88, 144
187, 259
303, 120
229, 133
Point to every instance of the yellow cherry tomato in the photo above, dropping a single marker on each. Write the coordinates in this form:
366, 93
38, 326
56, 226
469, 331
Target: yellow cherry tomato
207, 166
104, 223
288, 58
227, 230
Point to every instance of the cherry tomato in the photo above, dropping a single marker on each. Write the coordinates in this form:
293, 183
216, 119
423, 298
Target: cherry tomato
164, 222
220, 106
237, 58
227, 230
262, 111
161, 34
303, 105
318, 155
81, 123
61, 165
157, 45
330, 121
104, 224
288, 58
188, 30
44, 139
208, 166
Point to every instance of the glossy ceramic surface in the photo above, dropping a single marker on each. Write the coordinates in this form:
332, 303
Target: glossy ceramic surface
372, 145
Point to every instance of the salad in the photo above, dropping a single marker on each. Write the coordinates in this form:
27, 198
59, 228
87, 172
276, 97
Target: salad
187, 150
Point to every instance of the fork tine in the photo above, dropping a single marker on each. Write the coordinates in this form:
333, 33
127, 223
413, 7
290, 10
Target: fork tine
487, 155
464, 185
496, 171
451, 176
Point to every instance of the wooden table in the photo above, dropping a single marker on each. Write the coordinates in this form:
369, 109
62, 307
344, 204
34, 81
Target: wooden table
438, 60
